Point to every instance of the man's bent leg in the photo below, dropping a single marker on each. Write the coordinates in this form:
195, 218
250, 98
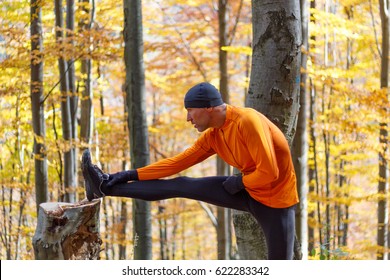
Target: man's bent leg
207, 189
278, 225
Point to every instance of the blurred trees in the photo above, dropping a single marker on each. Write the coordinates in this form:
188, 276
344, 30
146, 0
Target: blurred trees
181, 45
344, 114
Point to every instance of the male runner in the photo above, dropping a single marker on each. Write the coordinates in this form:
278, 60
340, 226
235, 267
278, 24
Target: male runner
242, 137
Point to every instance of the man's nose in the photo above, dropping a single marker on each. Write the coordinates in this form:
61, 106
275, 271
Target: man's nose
188, 117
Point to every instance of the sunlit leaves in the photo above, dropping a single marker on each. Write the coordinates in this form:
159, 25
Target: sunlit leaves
181, 48
241, 50
349, 106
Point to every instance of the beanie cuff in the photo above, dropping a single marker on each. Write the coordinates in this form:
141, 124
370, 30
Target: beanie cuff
202, 103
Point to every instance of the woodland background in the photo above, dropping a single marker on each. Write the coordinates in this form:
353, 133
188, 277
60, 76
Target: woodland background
347, 110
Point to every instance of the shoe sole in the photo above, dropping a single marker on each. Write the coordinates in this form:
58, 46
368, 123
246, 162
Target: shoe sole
85, 163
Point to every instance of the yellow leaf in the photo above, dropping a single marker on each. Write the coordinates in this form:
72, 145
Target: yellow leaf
240, 49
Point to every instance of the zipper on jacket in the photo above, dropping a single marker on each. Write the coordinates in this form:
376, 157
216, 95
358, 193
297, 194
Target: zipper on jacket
224, 139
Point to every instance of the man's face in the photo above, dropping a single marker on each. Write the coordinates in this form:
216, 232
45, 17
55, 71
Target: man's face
199, 117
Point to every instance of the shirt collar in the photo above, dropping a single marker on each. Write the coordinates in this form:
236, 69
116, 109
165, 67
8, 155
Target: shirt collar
228, 116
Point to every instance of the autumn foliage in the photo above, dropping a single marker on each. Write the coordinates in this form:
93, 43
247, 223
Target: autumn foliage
347, 106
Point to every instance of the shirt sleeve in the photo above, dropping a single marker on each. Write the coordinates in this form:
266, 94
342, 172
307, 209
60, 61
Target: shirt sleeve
258, 138
173, 165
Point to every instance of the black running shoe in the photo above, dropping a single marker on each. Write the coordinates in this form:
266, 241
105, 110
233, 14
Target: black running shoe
93, 177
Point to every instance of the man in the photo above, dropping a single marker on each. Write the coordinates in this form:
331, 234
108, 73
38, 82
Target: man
242, 137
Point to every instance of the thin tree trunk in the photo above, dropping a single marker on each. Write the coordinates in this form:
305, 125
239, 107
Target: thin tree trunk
17, 169
343, 211
73, 98
223, 233
326, 139
183, 238
161, 216
138, 130
162, 223
107, 226
174, 236
383, 131
123, 230
37, 104
300, 145
124, 212
325, 244
68, 193
312, 172
86, 118
313, 176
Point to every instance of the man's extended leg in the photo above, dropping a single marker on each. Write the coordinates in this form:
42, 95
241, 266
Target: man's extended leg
278, 224
207, 189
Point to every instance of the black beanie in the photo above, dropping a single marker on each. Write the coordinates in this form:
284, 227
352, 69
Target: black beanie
203, 95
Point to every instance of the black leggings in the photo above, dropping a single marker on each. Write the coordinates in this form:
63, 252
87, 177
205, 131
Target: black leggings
278, 224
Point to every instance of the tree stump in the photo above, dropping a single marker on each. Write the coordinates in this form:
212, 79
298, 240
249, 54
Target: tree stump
68, 231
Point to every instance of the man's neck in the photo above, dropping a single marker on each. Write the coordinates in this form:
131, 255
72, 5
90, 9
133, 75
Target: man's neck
219, 115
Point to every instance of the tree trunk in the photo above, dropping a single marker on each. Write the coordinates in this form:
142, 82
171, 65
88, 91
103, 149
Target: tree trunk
223, 232
275, 76
138, 129
274, 82
326, 140
37, 104
312, 172
86, 118
250, 238
67, 231
383, 132
73, 98
124, 212
300, 143
69, 178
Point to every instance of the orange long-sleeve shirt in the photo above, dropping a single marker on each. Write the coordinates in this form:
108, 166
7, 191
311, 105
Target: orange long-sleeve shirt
251, 143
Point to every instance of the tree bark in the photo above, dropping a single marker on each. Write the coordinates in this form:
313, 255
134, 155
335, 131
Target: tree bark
86, 119
383, 131
312, 172
250, 238
223, 232
73, 98
275, 76
274, 81
138, 129
300, 143
123, 212
69, 178
37, 104
67, 231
